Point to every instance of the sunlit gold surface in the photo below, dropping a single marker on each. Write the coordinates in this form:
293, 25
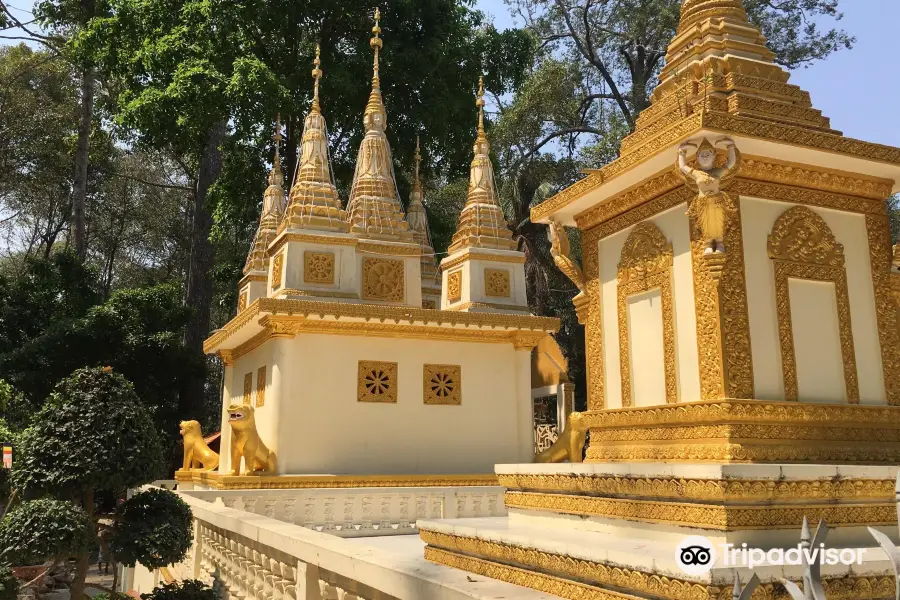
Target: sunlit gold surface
272, 211
418, 223
887, 300
569, 446
246, 443
196, 452
284, 482
747, 431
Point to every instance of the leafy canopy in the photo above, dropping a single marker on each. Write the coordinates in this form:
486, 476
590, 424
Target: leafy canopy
153, 528
189, 589
45, 529
93, 434
9, 585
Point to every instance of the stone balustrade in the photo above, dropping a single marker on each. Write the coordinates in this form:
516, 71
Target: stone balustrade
358, 512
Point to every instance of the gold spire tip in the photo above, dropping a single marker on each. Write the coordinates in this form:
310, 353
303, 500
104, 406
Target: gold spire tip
418, 158
375, 42
317, 75
479, 102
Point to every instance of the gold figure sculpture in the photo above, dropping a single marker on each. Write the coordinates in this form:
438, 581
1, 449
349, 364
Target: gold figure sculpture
711, 206
560, 250
570, 443
197, 454
245, 442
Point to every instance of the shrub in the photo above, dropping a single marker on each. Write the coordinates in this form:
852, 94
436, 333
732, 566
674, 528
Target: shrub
189, 589
153, 528
9, 585
45, 529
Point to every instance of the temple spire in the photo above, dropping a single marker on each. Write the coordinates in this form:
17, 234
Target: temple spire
418, 223
314, 202
273, 207
481, 223
374, 206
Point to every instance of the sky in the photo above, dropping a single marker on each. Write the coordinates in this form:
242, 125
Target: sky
858, 89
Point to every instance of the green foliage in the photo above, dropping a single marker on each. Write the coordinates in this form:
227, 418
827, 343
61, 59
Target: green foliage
44, 529
7, 436
93, 434
154, 528
9, 585
189, 589
893, 209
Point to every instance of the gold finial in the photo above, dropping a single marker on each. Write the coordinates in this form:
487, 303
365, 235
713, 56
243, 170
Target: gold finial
417, 157
317, 75
480, 104
276, 177
376, 45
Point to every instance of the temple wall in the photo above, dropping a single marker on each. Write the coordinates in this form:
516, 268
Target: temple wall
645, 329
814, 332
314, 422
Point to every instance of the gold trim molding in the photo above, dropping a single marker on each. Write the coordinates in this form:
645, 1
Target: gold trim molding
706, 490
746, 431
308, 238
593, 330
802, 246
707, 516
549, 572
396, 319
316, 294
295, 482
513, 308
449, 263
645, 265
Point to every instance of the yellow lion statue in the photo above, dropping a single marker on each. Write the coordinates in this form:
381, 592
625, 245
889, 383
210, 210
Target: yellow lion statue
197, 454
245, 442
570, 443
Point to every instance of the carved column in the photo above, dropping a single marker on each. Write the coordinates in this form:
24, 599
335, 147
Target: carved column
723, 328
565, 404
227, 358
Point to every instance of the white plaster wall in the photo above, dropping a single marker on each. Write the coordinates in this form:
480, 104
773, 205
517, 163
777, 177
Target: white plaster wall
254, 291
346, 275
322, 428
473, 289
674, 225
645, 345
758, 217
817, 342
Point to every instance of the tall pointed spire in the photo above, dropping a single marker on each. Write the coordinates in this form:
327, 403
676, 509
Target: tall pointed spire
273, 207
418, 223
314, 201
374, 206
481, 223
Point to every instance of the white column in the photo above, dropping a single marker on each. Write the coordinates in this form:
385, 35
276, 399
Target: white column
524, 404
565, 403
225, 435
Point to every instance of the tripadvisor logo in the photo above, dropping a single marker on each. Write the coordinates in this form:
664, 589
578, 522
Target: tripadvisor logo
696, 555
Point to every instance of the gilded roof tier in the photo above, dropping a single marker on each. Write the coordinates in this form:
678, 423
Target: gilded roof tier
314, 201
272, 210
481, 223
374, 207
720, 75
418, 223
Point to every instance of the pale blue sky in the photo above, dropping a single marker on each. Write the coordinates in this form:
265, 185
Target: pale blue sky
858, 89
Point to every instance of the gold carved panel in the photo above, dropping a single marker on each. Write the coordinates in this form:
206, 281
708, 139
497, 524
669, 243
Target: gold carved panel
886, 279
454, 286
248, 388
242, 300
383, 279
802, 246
277, 270
496, 283
318, 267
377, 381
645, 264
443, 384
261, 386
593, 330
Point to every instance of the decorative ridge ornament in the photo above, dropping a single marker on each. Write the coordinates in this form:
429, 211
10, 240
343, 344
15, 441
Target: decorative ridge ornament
481, 223
418, 223
314, 201
374, 206
272, 211
711, 207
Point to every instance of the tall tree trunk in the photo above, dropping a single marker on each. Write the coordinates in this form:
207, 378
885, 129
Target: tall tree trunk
82, 151
198, 294
83, 562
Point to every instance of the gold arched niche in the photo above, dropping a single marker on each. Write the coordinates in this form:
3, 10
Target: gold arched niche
645, 264
802, 246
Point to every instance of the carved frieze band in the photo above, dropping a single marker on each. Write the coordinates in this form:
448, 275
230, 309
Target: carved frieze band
802, 246
645, 264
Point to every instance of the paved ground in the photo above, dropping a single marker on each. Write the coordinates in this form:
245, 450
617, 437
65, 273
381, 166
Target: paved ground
96, 581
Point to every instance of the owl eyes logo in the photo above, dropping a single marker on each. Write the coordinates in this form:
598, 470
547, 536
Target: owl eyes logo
695, 555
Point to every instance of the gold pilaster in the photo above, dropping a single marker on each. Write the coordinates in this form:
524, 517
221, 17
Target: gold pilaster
886, 285
593, 330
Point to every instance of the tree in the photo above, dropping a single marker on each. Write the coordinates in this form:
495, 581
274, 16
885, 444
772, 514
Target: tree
95, 435
153, 528
189, 589
44, 529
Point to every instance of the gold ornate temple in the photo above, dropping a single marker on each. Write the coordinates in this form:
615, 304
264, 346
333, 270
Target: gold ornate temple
743, 352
